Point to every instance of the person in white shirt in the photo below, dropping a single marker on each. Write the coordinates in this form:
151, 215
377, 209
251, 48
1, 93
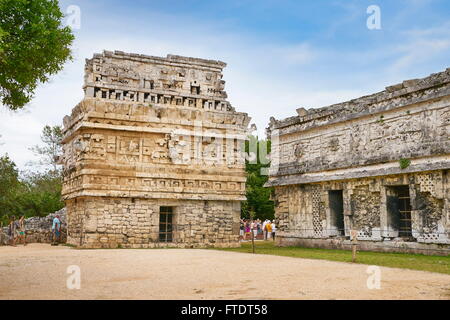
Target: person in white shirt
254, 229
265, 229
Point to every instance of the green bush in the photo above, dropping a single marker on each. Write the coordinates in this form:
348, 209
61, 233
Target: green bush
36, 194
404, 163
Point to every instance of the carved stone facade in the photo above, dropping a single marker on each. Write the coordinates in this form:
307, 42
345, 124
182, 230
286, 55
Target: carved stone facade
153, 137
378, 164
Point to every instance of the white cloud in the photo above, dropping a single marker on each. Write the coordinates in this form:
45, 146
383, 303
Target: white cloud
420, 46
18, 134
417, 52
299, 54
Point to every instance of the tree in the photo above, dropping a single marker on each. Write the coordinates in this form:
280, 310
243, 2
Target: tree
33, 193
43, 188
36, 194
258, 197
52, 148
9, 182
39, 195
33, 46
9, 176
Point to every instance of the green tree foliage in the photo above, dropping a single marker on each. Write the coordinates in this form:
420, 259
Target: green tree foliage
258, 197
33, 193
39, 195
33, 46
51, 150
9, 181
9, 184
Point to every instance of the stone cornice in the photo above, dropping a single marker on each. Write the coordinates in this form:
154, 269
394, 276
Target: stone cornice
170, 59
422, 165
152, 194
193, 133
140, 112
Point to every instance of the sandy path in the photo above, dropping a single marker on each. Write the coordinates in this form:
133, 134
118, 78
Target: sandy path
39, 272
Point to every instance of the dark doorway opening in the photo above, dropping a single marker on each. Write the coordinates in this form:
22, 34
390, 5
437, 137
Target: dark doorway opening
399, 211
336, 200
166, 224
195, 89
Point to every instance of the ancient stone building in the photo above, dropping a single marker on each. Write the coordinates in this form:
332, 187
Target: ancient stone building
152, 155
378, 164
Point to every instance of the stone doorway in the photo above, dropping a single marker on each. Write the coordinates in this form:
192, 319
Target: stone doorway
336, 203
399, 211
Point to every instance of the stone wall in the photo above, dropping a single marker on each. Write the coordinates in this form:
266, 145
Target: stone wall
304, 210
134, 223
39, 229
377, 246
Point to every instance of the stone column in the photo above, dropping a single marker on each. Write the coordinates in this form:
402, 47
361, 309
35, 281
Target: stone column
347, 193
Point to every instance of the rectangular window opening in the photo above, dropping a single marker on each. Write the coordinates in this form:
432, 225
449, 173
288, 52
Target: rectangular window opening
166, 224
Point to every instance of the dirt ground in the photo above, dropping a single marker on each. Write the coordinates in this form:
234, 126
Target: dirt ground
39, 271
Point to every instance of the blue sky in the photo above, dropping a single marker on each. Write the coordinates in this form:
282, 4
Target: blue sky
281, 55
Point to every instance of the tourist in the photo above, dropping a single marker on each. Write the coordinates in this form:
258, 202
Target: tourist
21, 230
247, 230
269, 229
265, 229
260, 231
254, 229
241, 229
12, 227
274, 229
56, 230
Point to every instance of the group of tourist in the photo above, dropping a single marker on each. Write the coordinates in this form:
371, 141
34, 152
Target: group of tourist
16, 231
260, 230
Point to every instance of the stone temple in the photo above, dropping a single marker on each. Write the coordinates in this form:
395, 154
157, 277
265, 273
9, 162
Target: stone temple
152, 155
378, 165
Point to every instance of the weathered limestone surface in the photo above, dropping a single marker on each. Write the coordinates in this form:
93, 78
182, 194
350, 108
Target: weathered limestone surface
114, 222
153, 132
356, 148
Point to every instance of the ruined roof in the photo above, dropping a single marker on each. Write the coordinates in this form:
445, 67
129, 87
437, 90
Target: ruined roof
169, 58
366, 104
